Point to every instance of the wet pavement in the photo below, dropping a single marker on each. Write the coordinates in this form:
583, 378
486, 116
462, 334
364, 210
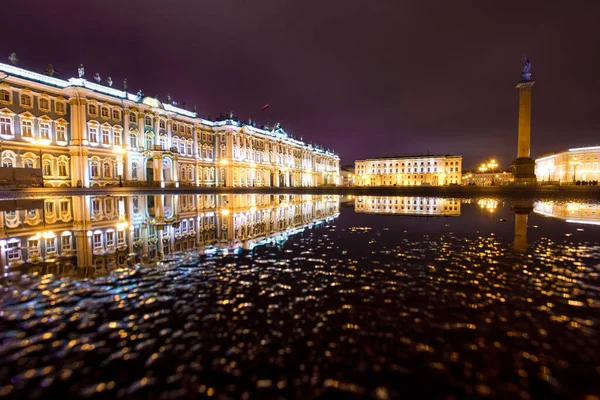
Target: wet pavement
397, 297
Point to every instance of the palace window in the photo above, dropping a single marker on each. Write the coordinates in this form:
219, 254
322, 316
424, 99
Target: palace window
136, 204
27, 128
28, 163
4, 96
65, 243
97, 241
110, 239
175, 127
26, 101
182, 147
223, 152
163, 142
94, 171
5, 126
134, 171
149, 141
59, 107
148, 121
190, 174
162, 124
116, 115
61, 133
117, 138
105, 136
106, 170
121, 238
93, 110
51, 245
47, 168
62, 168
13, 251
44, 130
93, 134
64, 207
44, 105
96, 207
188, 130
133, 117
189, 148
133, 142
104, 112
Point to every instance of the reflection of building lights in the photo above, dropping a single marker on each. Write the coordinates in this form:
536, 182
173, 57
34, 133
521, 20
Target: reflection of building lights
252, 208
488, 204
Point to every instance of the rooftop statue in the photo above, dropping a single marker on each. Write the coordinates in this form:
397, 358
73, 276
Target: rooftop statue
80, 71
526, 73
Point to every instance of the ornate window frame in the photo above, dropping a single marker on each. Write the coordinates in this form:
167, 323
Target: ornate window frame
94, 112
60, 101
105, 111
26, 94
6, 113
106, 128
96, 126
61, 123
6, 87
133, 117
117, 133
47, 121
116, 114
30, 118
46, 98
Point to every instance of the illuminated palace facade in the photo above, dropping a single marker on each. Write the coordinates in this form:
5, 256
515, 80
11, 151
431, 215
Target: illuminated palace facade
579, 164
81, 133
425, 170
407, 205
100, 233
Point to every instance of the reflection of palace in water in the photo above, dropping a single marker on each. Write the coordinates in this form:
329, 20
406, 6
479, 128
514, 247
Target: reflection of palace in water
56, 235
407, 205
575, 212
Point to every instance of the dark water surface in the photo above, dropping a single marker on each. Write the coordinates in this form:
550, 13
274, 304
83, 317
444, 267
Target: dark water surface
300, 297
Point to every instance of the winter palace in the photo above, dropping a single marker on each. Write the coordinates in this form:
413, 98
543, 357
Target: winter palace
81, 133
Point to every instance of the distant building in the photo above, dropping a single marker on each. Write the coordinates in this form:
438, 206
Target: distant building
572, 212
407, 205
578, 164
419, 170
347, 175
487, 178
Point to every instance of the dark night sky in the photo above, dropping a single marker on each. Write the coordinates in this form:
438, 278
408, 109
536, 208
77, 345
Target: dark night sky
365, 78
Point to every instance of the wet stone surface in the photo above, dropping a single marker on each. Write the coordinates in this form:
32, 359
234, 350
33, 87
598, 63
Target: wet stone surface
346, 310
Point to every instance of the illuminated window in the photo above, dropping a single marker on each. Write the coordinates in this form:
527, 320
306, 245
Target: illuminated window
134, 172
44, 130
110, 239
106, 170
47, 168
6, 126
133, 142
61, 133
27, 128
97, 241
116, 115
163, 124
148, 121
13, 251
104, 112
28, 163
189, 148
62, 168
93, 110
105, 136
65, 243
133, 117
93, 134
175, 127
117, 137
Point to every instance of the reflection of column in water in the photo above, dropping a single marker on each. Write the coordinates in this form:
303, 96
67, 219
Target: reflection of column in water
521, 210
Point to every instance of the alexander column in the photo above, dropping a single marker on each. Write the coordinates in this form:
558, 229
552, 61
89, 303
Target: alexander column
524, 166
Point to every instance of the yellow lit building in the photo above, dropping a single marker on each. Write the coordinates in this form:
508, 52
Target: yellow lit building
407, 205
422, 170
567, 167
80, 133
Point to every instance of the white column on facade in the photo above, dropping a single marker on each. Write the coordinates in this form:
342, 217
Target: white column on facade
169, 133
156, 130
142, 129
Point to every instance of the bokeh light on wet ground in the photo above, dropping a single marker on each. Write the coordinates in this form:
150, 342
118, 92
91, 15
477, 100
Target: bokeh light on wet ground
377, 306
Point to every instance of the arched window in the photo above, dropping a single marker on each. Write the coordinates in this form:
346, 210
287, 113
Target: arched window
117, 136
182, 146
133, 117
163, 124
26, 101
106, 170
94, 169
190, 145
148, 121
175, 142
104, 112
63, 168
163, 142
8, 159
28, 163
105, 136
134, 171
190, 173
93, 110
182, 173
47, 168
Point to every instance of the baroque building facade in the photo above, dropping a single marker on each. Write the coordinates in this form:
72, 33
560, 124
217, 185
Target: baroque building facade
83, 134
421, 170
94, 234
408, 205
